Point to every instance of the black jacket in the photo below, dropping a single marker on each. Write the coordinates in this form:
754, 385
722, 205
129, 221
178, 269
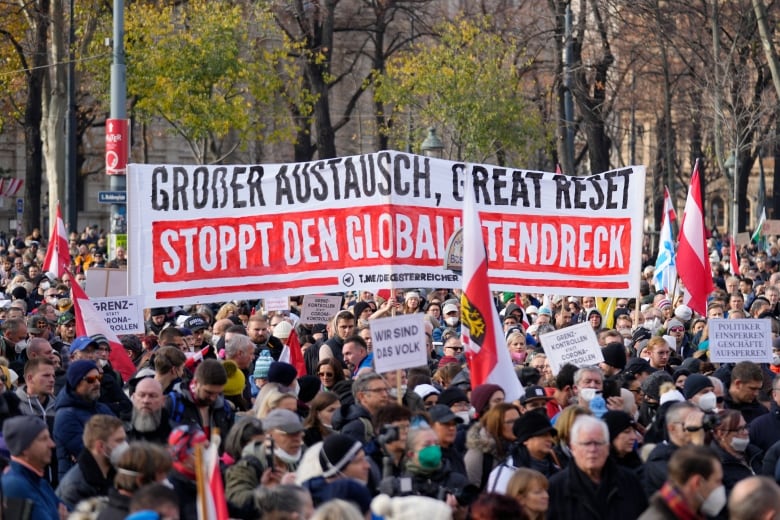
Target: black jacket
158, 436
355, 421
118, 506
84, 480
654, 471
182, 410
436, 484
735, 469
574, 496
750, 411
765, 429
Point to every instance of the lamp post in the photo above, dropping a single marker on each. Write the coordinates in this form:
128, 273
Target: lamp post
732, 164
432, 146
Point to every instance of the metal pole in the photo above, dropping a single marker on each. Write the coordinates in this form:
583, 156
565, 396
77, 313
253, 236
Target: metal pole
71, 175
118, 224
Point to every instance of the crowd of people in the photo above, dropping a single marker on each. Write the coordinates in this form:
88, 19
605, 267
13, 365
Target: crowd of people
656, 430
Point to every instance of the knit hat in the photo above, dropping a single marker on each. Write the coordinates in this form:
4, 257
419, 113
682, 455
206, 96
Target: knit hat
309, 387
183, 440
545, 311
480, 396
617, 421
410, 508
695, 383
282, 330
531, 425
614, 355
358, 308
637, 366
674, 322
663, 303
235, 379
101, 339
158, 311
77, 370
447, 360
671, 396
262, 365
425, 390
683, 312
282, 373
411, 294
651, 386
337, 452
20, 431
81, 343
452, 395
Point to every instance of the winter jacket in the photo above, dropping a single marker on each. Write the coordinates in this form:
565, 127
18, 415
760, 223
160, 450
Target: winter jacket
355, 421
482, 454
20, 482
765, 429
158, 436
72, 414
84, 480
735, 469
654, 471
573, 496
188, 495
182, 410
433, 484
31, 405
243, 477
118, 506
750, 411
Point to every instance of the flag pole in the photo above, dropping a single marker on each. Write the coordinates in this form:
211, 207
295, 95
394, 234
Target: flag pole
200, 480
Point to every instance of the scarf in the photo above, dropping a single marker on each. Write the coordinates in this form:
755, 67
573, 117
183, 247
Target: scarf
674, 501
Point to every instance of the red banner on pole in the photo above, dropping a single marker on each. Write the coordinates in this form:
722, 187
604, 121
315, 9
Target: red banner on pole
117, 146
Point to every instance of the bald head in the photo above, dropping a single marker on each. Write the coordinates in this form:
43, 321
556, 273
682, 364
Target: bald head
148, 395
39, 347
754, 498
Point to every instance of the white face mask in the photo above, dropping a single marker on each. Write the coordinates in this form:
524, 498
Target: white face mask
465, 416
776, 360
44, 285
714, 502
117, 452
288, 458
20, 346
451, 321
739, 444
588, 394
708, 402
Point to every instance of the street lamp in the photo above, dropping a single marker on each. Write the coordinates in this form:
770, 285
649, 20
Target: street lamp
732, 164
432, 146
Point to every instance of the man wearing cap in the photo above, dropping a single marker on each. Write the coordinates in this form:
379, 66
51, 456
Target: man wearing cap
158, 320
445, 423
30, 445
534, 399
201, 403
284, 451
96, 349
75, 405
451, 317
65, 334
197, 326
614, 359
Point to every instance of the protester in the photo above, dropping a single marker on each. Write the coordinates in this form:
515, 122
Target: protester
529, 488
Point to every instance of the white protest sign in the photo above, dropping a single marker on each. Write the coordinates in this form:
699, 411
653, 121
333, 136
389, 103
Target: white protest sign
399, 342
319, 309
277, 303
123, 314
732, 341
576, 344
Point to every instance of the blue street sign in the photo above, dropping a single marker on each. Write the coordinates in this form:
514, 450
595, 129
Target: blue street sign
112, 197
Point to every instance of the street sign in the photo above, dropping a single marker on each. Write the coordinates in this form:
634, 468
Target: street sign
112, 197
19, 207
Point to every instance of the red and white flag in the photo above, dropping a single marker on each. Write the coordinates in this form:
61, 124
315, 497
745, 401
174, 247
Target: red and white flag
211, 492
89, 322
57, 259
11, 187
733, 259
291, 353
483, 338
693, 265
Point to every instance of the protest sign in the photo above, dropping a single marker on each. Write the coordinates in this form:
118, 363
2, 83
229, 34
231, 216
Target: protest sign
214, 232
732, 341
576, 344
319, 309
771, 227
123, 314
398, 342
277, 303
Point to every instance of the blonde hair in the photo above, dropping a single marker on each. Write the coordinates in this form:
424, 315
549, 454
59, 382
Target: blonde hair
566, 421
268, 402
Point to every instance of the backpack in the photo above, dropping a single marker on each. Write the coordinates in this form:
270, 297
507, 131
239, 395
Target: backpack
177, 408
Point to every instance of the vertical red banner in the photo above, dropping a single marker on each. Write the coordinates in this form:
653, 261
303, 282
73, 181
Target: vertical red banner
117, 146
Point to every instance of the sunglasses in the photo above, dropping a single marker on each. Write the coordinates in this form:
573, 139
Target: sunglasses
325, 374
676, 329
93, 379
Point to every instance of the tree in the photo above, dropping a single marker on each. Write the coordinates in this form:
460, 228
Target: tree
468, 84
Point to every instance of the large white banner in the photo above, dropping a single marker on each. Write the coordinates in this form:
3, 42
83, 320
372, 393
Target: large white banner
215, 233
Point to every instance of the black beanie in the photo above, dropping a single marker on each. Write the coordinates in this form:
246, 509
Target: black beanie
337, 452
695, 383
617, 421
614, 355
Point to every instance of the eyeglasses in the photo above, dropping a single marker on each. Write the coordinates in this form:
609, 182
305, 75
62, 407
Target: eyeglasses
592, 444
381, 390
326, 374
456, 349
93, 379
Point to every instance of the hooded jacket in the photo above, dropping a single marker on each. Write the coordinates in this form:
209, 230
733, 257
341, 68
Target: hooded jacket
482, 454
354, 420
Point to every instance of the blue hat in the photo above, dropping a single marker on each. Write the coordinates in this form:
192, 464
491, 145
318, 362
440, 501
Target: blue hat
282, 373
81, 343
77, 370
262, 365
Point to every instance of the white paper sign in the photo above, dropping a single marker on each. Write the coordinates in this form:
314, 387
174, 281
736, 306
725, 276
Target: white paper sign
319, 309
732, 341
576, 344
277, 303
399, 342
124, 314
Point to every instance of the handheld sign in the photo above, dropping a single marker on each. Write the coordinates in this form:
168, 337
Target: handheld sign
399, 342
123, 314
319, 309
577, 345
277, 303
732, 341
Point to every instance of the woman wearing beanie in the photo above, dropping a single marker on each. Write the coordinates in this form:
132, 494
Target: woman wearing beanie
488, 442
341, 458
623, 438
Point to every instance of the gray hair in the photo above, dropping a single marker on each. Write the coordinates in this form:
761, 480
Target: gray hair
287, 498
584, 422
362, 382
717, 384
580, 373
237, 343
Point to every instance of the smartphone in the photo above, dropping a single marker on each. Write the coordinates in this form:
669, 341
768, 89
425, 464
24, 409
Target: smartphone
270, 455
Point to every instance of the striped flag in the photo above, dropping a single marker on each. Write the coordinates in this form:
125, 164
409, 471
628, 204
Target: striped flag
211, 492
57, 259
693, 263
665, 274
291, 353
733, 259
11, 187
758, 236
483, 338
89, 322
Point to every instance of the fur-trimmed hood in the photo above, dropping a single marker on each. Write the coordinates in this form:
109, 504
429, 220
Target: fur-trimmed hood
478, 438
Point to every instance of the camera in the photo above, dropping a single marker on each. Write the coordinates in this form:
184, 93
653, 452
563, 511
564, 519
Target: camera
387, 434
710, 421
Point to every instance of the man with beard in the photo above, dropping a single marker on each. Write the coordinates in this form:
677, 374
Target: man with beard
149, 421
75, 405
66, 333
257, 330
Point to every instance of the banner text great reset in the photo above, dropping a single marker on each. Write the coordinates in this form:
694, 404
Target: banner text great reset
217, 233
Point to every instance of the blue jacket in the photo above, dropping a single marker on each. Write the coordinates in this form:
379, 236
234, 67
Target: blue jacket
22, 483
71, 416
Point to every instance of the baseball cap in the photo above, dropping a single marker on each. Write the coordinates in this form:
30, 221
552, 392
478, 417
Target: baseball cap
449, 308
283, 420
534, 392
195, 323
82, 343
